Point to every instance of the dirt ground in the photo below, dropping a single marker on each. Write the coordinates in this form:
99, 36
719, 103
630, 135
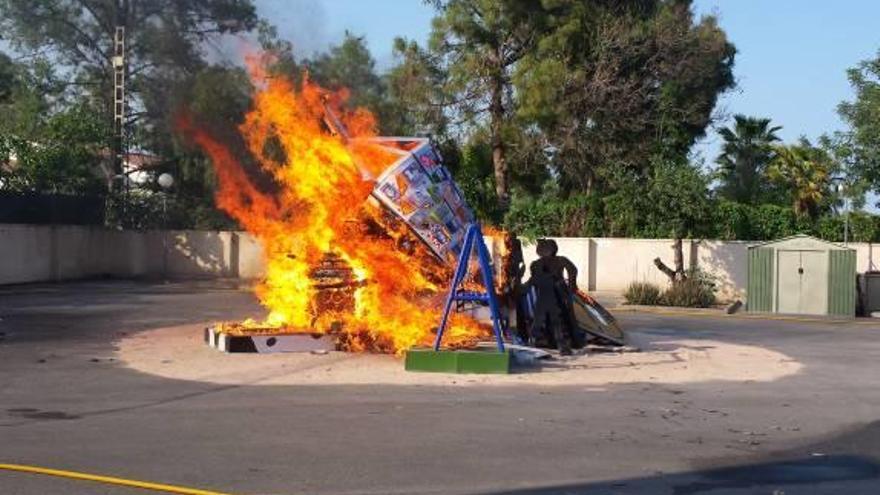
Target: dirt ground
180, 353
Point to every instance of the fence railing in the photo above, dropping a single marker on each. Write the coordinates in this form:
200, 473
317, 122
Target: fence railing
48, 209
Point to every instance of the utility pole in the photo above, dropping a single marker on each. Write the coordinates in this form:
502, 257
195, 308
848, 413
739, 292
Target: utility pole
118, 98
118, 182
841, 192
120, 72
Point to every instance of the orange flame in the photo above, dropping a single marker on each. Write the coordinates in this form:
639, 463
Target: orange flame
319, 205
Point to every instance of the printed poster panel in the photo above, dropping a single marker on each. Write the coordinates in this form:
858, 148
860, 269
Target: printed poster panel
420, 190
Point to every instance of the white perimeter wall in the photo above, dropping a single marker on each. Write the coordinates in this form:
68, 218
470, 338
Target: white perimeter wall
38, 253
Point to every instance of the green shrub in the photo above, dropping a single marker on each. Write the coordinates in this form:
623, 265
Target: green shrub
830, 228
732, 221
697, 291
642, 293
864, 227
772, 222
533, 217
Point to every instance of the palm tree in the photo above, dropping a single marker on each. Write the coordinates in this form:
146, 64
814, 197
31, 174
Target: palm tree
746, 151
805, 172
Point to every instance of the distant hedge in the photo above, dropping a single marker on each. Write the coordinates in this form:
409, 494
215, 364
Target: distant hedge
765, 222
584, 216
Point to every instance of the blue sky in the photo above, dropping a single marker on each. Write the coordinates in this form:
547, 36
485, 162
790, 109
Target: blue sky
793, 56
312, 25
791, 65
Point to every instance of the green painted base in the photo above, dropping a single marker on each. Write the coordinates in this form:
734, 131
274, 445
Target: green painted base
445, 361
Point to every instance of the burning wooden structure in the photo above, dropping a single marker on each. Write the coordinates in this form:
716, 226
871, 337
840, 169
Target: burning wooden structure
359, 231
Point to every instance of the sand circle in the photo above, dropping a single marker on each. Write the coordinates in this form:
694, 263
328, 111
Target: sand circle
180, 353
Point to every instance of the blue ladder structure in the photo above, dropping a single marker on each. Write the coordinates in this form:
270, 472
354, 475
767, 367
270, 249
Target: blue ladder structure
473, 239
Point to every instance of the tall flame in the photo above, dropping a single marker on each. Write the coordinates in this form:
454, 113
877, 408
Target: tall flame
317, 203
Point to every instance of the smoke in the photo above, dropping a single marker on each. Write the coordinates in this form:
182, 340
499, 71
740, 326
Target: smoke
302, 22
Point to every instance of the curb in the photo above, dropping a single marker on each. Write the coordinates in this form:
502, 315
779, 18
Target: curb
719, 313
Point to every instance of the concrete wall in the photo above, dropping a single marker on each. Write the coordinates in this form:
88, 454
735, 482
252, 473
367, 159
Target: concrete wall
867, 257
36, 253
250, 257
619, 262
25, 254
193, 254
728, 262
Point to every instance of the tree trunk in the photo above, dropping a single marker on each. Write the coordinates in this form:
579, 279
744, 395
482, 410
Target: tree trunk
678, 274
499, 160
500, 163
678, 257
694, 255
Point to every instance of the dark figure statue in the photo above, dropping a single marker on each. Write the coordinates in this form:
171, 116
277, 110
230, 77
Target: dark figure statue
553, 307
550, 304
511, 283
560, 266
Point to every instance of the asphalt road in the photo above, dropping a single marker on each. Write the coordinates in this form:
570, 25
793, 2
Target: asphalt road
66, 403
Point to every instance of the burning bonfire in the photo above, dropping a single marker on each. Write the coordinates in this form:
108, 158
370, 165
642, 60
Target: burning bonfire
342, 255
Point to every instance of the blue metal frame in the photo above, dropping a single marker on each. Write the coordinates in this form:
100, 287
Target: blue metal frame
473, 239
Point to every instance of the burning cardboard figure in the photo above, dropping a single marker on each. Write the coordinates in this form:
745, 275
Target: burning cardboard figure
359, 232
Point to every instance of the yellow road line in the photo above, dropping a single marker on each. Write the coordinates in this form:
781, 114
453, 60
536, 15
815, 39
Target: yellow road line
108, 479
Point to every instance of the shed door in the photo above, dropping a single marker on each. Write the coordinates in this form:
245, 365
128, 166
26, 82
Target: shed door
802, 282
788, 282
814, 282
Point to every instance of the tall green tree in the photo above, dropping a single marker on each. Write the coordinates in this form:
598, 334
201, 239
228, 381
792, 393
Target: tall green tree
30, 92
851, 184
614, 84
862, 141
7, 77
681, 209
481, 41
61, 161
674, 202
416, 88
745, 154
164, 44
48, 142
805, 172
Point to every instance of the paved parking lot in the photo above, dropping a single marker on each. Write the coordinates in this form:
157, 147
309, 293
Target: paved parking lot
790, 406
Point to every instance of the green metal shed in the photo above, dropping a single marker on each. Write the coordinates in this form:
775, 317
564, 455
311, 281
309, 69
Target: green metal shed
801, 275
